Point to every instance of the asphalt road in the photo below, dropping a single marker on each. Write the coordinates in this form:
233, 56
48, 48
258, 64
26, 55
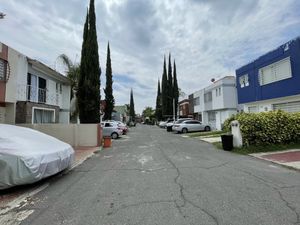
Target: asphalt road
154, 177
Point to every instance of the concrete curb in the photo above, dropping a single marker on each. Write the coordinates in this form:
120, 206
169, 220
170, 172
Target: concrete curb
290, 165
75, 164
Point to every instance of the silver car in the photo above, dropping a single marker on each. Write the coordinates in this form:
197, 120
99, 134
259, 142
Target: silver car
172, 123
190, 126
111, 129
163, 124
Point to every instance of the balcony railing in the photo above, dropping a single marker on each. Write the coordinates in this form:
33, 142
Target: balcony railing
40, 95
35, 94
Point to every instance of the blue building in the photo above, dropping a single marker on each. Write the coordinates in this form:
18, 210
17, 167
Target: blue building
272, 81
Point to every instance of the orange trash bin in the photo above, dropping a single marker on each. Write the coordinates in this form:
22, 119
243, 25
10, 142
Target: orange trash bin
107, 142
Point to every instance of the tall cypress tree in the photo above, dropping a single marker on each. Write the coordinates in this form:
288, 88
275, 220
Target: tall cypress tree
81, 92
175, 88
89, 81
170, 87
165, 90
131, 108
158, 111
109, 98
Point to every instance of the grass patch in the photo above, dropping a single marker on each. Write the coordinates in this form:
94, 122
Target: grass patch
209, 133
261, 148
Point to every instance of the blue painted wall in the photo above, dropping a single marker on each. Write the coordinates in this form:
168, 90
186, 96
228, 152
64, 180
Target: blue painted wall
287, 87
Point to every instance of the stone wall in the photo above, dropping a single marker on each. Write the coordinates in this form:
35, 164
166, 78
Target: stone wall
24, 111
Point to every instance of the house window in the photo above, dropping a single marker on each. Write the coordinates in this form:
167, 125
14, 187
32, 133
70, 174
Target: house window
208, 97
218, 92
41, 115
197, 101
36, 88
288, 106
244, 80
252, 109
275, 72
42, 90
3, 70
58, 88
32, 90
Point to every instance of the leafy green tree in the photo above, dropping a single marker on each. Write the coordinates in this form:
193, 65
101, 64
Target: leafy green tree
165, 90
170, 88
131, 108
89, 81
149, 115
175, 88
73, 73
158, 110
109, 98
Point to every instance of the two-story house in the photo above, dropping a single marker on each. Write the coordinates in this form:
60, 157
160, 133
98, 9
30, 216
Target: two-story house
30, 91
272, 81
215, 103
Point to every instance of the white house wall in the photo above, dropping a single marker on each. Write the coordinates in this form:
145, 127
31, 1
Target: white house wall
64, 114
65, 101
217, 101
229, 97
221, 116
223, 104
15, 88
263, 106
199, 108
51, 92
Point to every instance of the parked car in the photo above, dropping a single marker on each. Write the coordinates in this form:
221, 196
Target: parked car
190, 126
123, 127
27, 156
171, 124
111, 129
163, 124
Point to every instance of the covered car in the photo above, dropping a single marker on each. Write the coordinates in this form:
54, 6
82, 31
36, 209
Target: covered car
27, 155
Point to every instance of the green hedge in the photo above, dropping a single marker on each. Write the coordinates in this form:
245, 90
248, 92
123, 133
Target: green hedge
267, 127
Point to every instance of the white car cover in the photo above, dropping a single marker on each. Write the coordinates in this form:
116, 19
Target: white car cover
27, 155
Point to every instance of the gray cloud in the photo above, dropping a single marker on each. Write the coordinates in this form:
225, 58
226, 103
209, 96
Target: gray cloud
208, 38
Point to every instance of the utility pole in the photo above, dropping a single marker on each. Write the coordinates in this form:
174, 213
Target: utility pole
174, 109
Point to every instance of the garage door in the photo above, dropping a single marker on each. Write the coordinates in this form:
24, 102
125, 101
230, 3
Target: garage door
288, 106
212, 119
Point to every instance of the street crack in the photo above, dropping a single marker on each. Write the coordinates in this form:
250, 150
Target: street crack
276, 189
181, 189
114, 211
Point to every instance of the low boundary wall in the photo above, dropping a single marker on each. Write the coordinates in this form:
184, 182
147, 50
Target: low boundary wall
85, 135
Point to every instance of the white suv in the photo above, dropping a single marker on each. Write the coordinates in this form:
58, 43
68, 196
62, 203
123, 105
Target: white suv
111, 129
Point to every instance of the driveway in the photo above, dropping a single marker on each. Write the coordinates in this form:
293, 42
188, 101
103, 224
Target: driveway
155, 177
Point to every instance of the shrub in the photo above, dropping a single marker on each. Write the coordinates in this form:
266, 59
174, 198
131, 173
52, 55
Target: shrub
267, 127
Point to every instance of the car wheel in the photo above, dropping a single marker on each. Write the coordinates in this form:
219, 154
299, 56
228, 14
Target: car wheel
114, 135
184, 130
207, 128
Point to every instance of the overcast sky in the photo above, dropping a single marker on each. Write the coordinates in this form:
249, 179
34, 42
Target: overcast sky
207, 38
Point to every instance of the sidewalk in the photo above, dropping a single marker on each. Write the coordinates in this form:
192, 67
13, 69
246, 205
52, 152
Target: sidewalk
290, 158
210, 139
83, 153
16, 196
